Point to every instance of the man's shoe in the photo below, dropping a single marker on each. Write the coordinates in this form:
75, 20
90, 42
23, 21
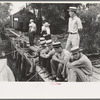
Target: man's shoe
66, 80
53, 78
59, 80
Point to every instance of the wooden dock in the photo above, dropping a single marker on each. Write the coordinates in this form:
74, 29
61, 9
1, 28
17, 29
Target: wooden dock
24, 52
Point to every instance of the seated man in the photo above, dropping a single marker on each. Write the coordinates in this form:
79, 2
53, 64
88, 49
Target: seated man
60, 58
46, 55
79, 68
43, 48
36, 55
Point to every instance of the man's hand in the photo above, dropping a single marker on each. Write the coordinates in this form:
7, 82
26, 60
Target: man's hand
69, 65
55, 58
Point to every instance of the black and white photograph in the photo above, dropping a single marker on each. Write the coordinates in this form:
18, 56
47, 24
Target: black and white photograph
49, 42
49, 49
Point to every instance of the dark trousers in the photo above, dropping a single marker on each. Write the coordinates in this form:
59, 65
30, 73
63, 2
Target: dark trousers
45, 62
31, 38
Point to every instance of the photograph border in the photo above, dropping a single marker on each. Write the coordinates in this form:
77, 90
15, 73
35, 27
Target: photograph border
48, 90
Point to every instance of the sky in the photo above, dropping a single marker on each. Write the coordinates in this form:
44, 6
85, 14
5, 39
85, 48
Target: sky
17, 6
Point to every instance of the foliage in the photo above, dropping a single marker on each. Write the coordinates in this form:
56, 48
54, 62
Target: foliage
56, 14
91, 33
4, 11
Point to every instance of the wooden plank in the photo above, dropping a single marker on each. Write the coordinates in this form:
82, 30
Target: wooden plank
97, 66
42, 75
25, 38
96, 70
93, 79
14, 33
97, 76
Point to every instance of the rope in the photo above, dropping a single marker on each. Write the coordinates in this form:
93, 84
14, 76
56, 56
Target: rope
8, 53
33, 76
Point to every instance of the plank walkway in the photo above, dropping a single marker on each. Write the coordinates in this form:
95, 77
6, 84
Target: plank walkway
94, 78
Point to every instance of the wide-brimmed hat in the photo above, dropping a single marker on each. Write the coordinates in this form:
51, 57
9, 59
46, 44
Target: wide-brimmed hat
72, 9
56, 44
46, 24
76, 49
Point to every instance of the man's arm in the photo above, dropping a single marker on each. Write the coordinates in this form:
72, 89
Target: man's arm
76, 64
49, 54
79, 23
58, 60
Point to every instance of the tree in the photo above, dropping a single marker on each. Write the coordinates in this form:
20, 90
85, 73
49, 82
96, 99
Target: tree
4, 13
56, 14
90, 35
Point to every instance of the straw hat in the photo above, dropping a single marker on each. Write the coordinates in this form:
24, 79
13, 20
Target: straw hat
75, 49
72, 9
56, 44
46, 24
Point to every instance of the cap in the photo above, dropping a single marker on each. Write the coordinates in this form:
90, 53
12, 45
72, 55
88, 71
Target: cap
56, 44
72, 9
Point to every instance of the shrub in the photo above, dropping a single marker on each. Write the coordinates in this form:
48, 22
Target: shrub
90, 35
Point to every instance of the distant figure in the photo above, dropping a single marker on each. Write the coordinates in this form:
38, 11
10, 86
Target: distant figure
74, 28
32, 32
80, 67
46, 31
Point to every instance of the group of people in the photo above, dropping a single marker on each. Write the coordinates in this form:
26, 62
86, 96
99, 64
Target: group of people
45, 31
69, 63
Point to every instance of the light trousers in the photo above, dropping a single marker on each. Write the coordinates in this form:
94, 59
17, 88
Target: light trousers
76, 74
73, 40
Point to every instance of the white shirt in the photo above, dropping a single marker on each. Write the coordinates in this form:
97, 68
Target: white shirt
32, 26
43, 28
47, 29
74, 24
65, 55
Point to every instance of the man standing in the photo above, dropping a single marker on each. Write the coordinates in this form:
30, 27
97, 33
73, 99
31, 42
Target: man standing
80, 67
60, 58
32, 32
74, 28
